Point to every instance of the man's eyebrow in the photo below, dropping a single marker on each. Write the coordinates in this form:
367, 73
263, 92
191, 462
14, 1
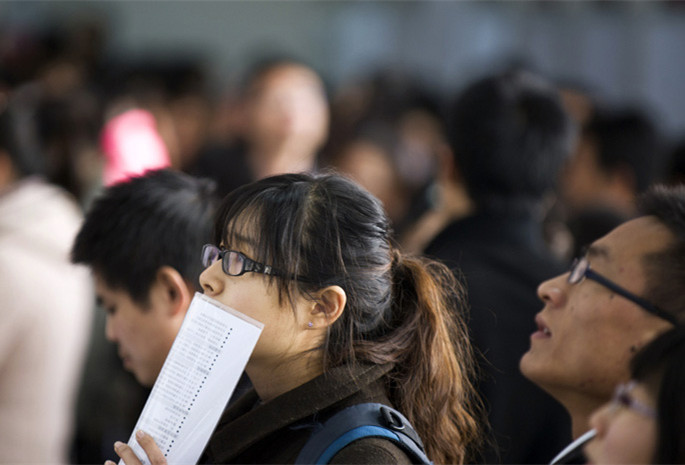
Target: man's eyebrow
594, 251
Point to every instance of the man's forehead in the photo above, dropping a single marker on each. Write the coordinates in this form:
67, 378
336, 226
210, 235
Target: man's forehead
103, 289
636, 237
100, 283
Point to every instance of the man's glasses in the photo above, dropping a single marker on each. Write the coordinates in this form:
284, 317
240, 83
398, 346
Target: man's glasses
580, 269
233, 263
622, 398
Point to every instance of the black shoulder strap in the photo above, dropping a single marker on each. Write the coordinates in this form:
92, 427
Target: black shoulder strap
360, 421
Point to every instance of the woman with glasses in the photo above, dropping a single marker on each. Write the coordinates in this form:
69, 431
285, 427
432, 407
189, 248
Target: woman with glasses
645, 421
348, 320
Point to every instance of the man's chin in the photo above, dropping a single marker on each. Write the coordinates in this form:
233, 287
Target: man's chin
144, 381
527, 365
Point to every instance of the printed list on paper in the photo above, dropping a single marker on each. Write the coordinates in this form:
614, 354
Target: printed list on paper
199, 375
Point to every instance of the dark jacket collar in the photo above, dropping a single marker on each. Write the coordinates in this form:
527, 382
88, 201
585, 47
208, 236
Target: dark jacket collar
243, 425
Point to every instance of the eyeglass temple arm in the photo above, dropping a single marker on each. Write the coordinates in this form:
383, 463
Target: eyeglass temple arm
633, 298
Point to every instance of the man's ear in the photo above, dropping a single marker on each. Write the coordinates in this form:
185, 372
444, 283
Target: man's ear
174, 291
651, 332
328, 307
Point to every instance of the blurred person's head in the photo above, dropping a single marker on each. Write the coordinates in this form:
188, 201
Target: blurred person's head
286, 116
20, 152
401, 102
625, 290
142, 239
579, 100
510, 135
618, 156
645, 421
370, 158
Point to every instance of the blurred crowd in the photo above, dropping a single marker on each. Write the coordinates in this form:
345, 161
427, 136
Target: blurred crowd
94, 120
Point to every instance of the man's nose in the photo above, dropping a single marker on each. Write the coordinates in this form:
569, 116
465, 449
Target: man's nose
110, 332
553, 291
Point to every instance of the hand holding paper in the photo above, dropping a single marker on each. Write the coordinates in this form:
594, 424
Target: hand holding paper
153, 453
198, 377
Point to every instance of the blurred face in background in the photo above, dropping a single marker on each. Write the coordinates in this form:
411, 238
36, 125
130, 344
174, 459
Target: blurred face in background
583, 180
372, 167
288, 102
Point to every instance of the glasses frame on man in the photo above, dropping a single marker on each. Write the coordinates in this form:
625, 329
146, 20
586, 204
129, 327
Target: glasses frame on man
580, 269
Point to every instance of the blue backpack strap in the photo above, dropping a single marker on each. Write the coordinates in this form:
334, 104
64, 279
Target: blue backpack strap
361, 421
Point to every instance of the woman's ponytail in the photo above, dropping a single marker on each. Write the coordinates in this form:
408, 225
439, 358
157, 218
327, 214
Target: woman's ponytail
432, 380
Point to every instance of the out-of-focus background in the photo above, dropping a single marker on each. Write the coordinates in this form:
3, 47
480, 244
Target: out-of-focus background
119, 86
627, 53
623, 50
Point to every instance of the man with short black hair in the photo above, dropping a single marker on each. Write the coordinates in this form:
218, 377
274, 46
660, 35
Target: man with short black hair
624, 291
142, 240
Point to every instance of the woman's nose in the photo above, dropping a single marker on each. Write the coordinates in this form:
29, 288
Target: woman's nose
600, 419
210, 280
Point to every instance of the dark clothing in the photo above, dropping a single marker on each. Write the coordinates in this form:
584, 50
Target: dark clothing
109, 402
225, 164
503, 259
276, 431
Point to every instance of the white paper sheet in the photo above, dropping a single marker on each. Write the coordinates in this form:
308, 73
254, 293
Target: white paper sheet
198, 377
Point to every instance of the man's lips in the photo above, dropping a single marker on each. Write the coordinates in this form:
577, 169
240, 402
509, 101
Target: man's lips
543, 331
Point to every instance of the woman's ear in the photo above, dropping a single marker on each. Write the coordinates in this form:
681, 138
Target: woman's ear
174, 291
328, 306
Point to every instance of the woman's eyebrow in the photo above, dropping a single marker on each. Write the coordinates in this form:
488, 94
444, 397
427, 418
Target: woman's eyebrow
240, 240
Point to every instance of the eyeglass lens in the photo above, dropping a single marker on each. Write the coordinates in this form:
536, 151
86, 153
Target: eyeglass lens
210, 254
232, 263
578, 269
623, 398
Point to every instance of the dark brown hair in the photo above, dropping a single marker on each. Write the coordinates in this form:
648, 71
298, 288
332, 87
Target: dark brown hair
318, 231
660, 365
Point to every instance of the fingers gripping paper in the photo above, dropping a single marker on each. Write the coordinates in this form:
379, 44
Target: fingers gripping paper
198, 377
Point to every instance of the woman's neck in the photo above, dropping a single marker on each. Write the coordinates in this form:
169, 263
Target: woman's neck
270, 380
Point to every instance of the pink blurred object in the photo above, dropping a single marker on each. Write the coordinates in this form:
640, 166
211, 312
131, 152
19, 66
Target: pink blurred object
132, 146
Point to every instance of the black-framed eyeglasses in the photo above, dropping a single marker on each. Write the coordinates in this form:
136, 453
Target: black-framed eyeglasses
233, 263
580, 269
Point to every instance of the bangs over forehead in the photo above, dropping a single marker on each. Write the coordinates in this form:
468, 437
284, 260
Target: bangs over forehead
314, 231
266, 221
